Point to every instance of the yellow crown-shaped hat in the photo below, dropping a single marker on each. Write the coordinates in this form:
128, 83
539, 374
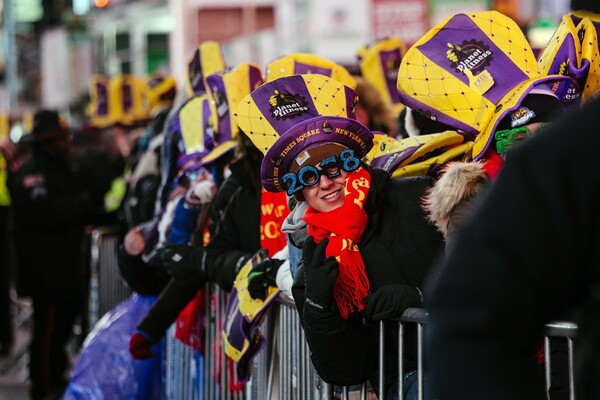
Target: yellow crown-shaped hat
196, 119
206, 59
227, 88
98, 109
470, 71
126, 99
304, 63
379, 61
573, 51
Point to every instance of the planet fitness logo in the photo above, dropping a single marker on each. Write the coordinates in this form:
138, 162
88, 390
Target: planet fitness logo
287, 106
470, 55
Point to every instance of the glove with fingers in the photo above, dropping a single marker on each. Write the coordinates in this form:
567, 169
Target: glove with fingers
320, 274
262, 276
181, 260
140, 346
390, 301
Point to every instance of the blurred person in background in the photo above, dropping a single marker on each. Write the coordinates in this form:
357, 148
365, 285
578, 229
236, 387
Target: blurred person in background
52, 205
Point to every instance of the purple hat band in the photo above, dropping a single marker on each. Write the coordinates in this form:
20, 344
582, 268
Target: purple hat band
309, 134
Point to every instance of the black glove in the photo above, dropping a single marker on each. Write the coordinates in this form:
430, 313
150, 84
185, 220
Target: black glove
390, 301
181, 260
320, 274
262, 276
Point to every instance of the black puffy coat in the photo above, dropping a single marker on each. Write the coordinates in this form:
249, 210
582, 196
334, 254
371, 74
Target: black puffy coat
398, 246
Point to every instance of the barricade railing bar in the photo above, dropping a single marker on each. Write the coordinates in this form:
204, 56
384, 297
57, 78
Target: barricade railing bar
284, 370
107, 289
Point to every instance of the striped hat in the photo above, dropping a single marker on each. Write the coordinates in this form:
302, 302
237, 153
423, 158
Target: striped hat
290, 116
573, 51
471, 71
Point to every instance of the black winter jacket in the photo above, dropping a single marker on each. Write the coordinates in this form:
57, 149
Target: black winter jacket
237, 235
398, 246
52, 207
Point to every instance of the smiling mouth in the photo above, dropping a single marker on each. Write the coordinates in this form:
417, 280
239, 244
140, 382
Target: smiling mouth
331, 195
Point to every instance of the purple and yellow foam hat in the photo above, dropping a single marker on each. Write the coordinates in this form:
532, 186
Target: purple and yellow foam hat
206, 59
573, 51
471, 71
289, 117
379, 61
126, 99
98, 109
196, 120
160, 92
304, 63
227, 88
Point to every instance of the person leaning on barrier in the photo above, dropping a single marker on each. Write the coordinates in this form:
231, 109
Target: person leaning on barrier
368, 234
529, 254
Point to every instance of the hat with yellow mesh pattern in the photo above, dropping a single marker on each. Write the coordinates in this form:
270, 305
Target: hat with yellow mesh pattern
379, 61
126, 99
417, 155
227, 88
289, 116
206, 59
304, 63
196, 119
573, 51
98, 108
471, 71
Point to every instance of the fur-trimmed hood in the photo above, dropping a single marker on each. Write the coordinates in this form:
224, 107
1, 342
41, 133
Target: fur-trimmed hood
450, 199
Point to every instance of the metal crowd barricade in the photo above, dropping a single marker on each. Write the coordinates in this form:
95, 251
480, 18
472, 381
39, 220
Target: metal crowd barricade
107, 288
283, 370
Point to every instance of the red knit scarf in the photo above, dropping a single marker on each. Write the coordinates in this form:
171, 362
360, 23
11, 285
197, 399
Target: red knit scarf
344, 226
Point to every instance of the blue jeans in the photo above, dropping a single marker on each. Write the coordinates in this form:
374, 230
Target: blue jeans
411, 388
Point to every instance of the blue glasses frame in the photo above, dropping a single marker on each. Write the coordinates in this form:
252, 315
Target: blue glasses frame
331, 167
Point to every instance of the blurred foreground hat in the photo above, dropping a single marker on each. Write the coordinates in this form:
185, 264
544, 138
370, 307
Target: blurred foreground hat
205, 60
304, 63
573, 52
227, 88
290, 116
472, 70
379, 61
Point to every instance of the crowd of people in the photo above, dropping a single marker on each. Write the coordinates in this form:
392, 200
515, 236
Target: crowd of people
356, 196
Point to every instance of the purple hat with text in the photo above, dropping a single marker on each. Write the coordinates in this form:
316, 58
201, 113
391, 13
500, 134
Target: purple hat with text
291, 119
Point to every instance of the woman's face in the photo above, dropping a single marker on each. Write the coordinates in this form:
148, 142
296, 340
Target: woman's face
328, 194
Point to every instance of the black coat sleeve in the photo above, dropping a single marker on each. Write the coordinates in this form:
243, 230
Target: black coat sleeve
342, 352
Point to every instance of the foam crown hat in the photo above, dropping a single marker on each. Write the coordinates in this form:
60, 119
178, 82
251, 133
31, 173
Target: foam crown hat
196, 119
293, 114
227, 88
304, 63
470, 71
160, 92
379, 61
126, 102
573, 51
206, 59
98, 109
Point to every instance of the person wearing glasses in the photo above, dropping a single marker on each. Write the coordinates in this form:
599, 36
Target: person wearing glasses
370, 246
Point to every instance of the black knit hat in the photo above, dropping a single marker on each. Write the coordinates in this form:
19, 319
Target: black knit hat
47, 127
